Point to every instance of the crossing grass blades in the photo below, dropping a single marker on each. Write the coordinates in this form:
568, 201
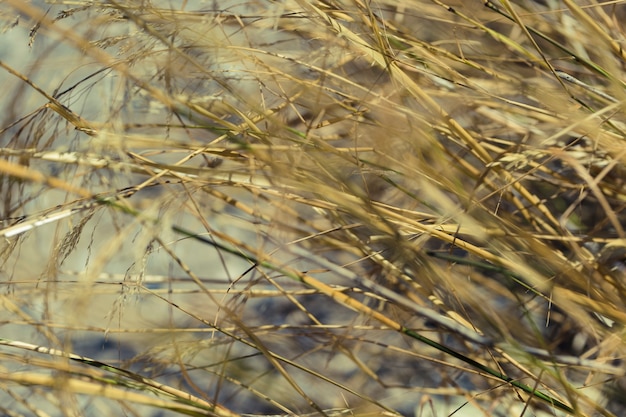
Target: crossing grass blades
314, 208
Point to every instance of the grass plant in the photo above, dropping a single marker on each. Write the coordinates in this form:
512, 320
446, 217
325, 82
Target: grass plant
310, 207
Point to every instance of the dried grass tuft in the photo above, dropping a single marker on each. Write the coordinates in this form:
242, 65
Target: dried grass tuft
313, 208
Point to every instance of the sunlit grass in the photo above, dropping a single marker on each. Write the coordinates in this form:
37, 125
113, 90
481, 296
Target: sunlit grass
306, 208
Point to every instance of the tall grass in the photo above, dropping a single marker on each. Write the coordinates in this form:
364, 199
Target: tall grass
313, 208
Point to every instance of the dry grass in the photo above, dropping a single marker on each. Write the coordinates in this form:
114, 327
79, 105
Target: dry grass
313, 208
